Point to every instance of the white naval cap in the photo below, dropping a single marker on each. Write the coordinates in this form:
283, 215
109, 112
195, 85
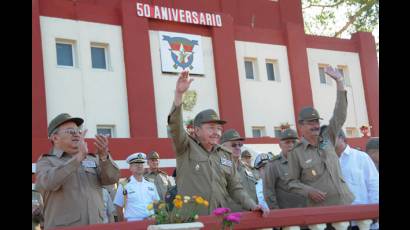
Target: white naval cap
136, 158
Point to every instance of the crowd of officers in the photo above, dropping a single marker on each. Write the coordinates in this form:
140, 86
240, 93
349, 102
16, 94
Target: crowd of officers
77, 187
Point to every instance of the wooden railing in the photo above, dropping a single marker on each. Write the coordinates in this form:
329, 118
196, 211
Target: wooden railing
276, 218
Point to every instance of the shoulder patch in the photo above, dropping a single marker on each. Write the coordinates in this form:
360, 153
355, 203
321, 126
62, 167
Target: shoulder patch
224, 148
299, 143
276, 157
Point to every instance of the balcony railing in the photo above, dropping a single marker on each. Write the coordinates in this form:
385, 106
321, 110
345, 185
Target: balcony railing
276, 218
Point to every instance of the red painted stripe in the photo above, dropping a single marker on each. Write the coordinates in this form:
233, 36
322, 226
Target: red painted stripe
329, 43
370, 76
38, 92
277, 218
140, 84
226, 71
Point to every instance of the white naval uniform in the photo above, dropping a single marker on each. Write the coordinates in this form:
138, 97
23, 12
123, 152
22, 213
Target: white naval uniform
140, 195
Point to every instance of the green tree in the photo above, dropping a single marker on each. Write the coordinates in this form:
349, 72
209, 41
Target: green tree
341, 18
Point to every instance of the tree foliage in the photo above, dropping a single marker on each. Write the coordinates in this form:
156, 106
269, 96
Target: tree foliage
340, 18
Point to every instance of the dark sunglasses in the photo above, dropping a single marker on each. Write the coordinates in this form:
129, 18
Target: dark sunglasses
236, 145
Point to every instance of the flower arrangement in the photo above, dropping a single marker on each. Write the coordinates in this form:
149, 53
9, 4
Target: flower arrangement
227, 219
183, 209
284, 126
365, 130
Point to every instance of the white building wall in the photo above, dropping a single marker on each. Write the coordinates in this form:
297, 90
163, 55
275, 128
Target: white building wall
164, 85
324, 95
265, 103
98, 96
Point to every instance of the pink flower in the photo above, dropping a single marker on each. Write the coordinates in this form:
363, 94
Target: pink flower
234, 217
221, 211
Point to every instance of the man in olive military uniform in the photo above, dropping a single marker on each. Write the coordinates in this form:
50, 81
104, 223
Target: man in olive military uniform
204, 167
70, 179
275, 180
246, 158
314, 168
249, 176
153, 174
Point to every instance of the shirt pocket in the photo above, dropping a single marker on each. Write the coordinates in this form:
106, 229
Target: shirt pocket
312, 171
356, 177
92, 176
67, 218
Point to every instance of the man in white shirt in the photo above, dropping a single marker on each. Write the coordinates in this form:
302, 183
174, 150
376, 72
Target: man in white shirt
134, 195
361, 176
260, 162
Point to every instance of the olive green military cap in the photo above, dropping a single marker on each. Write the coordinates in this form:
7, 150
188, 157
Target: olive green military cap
61, 119
246, 153
136, 158
231, 135
288, 134
372, 143
153, 155
308, 114
207, 116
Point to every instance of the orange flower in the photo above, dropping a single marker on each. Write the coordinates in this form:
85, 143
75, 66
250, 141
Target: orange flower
206, 203
178, 203
199, 200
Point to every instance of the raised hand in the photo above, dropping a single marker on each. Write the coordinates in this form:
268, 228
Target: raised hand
82, 147
101, 143
333, 73
183, 82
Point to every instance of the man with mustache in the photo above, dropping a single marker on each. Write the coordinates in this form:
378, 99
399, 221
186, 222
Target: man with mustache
70, 178
314, 169
204, 167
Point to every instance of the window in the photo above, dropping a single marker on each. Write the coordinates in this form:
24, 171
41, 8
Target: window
322, 75
272, 70
106, 130
258, 131
324, 79
278, 131
250, 68
351, 132
65, 52
343, 70
99, 56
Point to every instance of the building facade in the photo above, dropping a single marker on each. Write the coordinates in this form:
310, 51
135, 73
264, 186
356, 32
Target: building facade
104, 61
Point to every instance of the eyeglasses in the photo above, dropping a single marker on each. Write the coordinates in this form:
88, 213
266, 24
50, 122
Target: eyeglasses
234, 145
72, 131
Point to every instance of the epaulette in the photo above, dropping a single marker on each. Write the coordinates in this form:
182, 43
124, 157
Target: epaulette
224, 148
163, 172
277, 157
296, 145
125, 181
